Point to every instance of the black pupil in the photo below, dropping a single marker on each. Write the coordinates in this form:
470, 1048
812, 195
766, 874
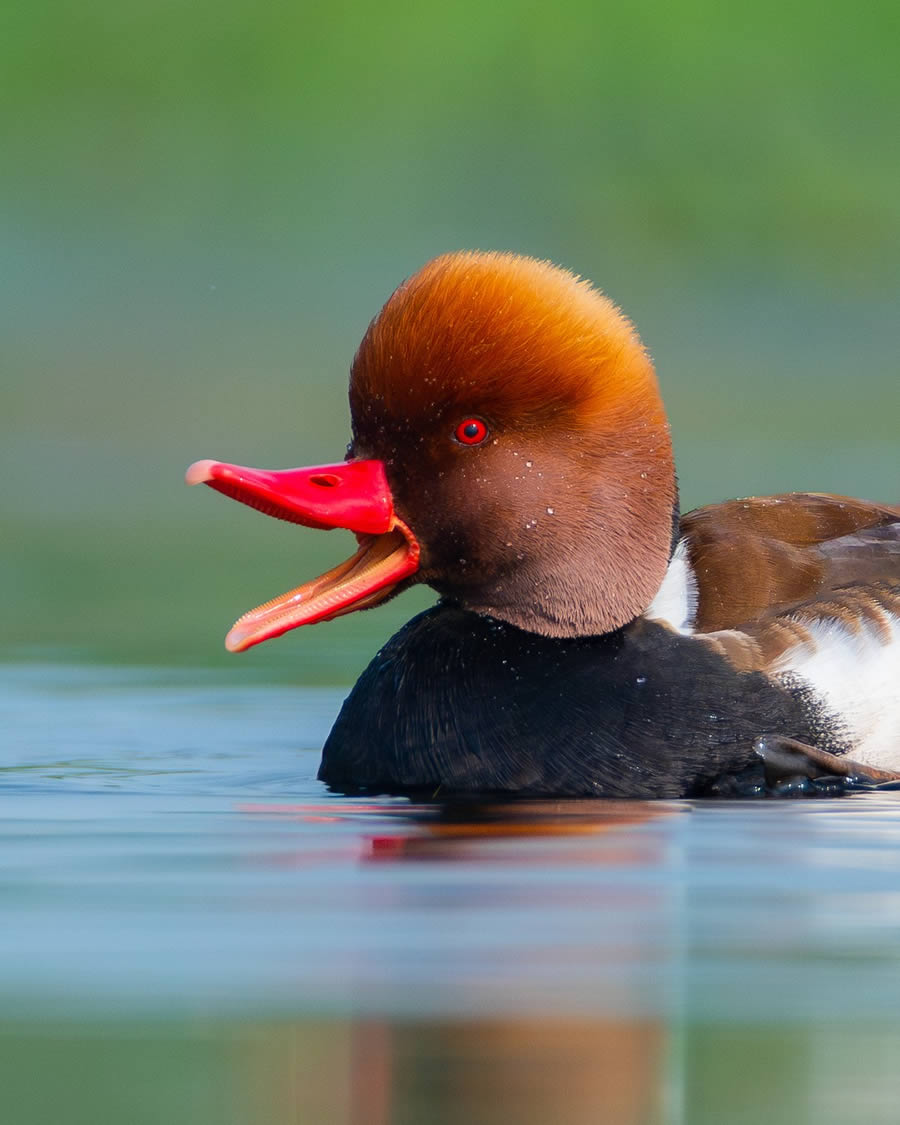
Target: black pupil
471, 430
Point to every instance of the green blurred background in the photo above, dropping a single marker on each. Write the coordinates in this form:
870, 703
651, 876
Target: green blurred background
203, 204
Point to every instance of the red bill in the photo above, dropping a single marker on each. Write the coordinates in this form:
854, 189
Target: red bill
354, 495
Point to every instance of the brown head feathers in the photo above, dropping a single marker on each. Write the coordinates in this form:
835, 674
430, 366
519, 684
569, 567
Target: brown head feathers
561, 522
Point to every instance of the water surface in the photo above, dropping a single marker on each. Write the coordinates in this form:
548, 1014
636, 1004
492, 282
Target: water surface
194, 929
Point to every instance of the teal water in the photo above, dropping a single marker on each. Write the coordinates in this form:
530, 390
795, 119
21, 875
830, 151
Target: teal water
194, 929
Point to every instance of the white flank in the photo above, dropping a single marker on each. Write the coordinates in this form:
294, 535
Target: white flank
857, 677
675, 603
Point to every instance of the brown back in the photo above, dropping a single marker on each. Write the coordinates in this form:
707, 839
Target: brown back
760, 556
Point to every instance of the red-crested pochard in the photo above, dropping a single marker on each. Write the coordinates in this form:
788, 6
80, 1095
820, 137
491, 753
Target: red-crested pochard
510, 449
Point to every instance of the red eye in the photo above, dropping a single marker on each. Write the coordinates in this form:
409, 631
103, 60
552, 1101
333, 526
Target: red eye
472, 431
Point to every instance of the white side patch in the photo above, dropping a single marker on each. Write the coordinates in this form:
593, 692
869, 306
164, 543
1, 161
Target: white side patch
857, 676
676, 599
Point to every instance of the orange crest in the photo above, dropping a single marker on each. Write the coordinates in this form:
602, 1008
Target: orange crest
506, 335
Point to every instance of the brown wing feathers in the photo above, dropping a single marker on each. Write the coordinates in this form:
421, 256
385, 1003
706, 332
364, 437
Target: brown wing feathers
759, 557
769, 570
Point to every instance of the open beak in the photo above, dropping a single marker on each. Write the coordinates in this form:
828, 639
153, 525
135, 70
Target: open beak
353, 495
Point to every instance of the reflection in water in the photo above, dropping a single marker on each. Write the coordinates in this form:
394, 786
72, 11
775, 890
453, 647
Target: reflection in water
443, 831
532, 1069
529, 1072
450, 1072
194, 930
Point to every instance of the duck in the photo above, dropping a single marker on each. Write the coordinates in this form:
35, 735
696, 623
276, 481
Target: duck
510, 448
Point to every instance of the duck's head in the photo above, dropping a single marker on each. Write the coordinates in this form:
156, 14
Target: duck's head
510, 449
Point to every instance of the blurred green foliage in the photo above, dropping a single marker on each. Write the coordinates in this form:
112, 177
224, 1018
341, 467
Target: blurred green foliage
203, 204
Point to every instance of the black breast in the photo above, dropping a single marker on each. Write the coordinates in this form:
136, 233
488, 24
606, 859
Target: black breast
460, 703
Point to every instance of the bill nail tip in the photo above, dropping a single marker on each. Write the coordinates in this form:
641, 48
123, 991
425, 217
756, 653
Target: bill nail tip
200, 472
237, 641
